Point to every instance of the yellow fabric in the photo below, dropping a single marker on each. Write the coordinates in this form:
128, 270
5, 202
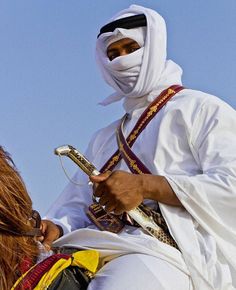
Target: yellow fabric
49, 276
87, 259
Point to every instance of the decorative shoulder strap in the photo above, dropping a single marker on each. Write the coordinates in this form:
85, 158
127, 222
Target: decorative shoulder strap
135, 165
142, 122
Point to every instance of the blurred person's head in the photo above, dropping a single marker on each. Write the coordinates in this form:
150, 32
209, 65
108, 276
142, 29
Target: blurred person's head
18, 247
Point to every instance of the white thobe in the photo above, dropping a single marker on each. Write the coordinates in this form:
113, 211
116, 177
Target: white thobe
191, 142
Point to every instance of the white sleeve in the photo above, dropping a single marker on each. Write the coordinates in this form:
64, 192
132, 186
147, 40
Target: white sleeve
69, 210
210, 197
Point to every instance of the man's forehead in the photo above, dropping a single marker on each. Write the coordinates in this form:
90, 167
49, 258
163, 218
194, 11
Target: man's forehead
120, 43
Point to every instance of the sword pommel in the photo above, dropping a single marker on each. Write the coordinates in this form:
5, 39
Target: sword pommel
78, 158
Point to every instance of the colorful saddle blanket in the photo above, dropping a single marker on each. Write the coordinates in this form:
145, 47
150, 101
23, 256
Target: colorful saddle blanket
61, 271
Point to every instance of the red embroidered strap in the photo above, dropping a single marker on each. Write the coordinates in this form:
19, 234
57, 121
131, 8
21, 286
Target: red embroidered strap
135, 165
142, 122
32, 278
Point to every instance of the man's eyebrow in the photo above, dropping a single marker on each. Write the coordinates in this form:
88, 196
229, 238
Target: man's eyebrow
125, 45
112, 49
130, 43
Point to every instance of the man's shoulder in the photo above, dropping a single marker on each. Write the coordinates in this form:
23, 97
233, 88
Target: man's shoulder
196, 96
190, 105
197, 99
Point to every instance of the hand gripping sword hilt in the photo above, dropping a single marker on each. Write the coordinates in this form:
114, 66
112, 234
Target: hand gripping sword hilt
145, 221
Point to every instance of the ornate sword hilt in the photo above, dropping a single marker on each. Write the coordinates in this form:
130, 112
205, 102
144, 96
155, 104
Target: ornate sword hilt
145, 221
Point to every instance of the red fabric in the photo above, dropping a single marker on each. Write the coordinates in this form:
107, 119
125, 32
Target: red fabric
33, 277
25, 265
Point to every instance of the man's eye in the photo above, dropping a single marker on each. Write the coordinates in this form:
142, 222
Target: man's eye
113, 56
133, 49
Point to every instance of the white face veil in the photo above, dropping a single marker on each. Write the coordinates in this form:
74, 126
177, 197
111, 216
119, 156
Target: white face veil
138, 74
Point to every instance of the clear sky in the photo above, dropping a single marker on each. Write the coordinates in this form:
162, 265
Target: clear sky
50, 84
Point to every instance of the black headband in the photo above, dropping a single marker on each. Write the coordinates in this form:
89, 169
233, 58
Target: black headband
126, 22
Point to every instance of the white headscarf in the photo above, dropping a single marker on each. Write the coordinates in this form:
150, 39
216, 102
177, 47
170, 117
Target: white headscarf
147, 70
123, 71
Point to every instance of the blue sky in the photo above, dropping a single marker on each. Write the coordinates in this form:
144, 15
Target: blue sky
50, 84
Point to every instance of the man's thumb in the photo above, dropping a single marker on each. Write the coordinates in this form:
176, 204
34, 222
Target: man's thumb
101, 177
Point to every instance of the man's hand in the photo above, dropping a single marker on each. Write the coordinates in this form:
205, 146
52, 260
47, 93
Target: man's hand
121, 191
50, 233
118, 191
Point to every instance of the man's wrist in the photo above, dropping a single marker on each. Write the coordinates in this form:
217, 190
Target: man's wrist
151, 186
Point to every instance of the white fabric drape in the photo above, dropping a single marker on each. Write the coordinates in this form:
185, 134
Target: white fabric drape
203, 178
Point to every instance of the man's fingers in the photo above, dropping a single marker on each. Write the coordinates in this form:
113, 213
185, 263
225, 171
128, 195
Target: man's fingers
100, 190
103, 199
40, 239
50, 233
109, 207
118, 211
49, 238
47, 246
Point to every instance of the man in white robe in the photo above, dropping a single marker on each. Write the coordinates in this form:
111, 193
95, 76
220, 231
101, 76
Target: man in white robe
190, 149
